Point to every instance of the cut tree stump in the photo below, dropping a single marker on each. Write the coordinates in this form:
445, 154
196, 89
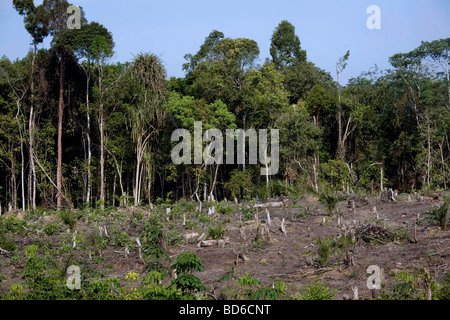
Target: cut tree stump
262, 232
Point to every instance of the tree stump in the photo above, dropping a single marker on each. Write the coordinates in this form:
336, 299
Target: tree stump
262, 232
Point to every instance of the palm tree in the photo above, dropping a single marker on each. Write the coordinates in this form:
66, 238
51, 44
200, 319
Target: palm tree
146, 115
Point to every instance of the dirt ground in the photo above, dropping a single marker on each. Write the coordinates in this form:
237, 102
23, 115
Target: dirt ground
292, 257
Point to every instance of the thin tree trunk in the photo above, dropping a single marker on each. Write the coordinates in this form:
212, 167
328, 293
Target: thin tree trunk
13, 185
444, 169
22, 157
31, 125
214, 182
138, 166
60, 121
88, 138
429, 151
339, 118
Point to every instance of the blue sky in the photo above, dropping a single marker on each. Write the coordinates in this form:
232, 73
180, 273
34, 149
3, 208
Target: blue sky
327, 28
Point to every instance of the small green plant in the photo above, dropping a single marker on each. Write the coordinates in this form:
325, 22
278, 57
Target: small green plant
52, 229
217, 231
186, 263
324, 250
123, 240
439, 215
442, 291
248, 214
258, 244
69, 218
227, 210
329, 201
246, 280
174, 237
315, 290
190, 225
203, 219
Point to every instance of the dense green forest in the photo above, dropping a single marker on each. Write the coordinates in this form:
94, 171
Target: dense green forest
77, 130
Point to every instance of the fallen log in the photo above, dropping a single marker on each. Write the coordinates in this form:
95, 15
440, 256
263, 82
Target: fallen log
212, 243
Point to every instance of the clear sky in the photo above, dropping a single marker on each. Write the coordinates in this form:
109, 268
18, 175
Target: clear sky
327, 28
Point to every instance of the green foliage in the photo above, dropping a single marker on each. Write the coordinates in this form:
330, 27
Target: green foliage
246, 280
439, 215
217, 230
52, 229
227, 210
324, 250
13, 224
315, 290
405, 286
70, 218
443, 290
187, 262
123, 240
248, 214
258, 244
188, 283
329, 201
239, 183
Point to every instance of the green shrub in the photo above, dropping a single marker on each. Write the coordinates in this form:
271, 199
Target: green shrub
14, 225
315, 290
217, 231
329, 201
154, 235
188, 283
174, 237
123, 240
52, 229
7, 242
248, 214
324, 250
187, 262
227, 210
246, 280
264, 293
443, 289
439, 215
203, 219
69, 218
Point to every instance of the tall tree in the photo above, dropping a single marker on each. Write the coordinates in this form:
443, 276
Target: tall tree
146, 115
340, 66
56, 11
285, 47
35, 24
94, 44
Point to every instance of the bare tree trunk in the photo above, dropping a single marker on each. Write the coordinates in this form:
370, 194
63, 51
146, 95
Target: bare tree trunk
102, 136
114, 190
60, 121
381, 179
88, 138
13, 184
339, 119
444, 169
429, 151
215, 180
31, 125
102, 159
136, 188
21, 156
